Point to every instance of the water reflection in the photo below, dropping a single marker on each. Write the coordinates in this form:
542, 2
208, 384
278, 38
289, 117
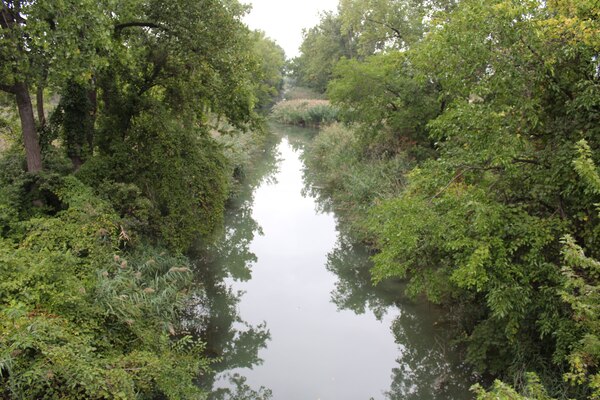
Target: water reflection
427, 366
238, 389
375, 337
213, 315
353, 289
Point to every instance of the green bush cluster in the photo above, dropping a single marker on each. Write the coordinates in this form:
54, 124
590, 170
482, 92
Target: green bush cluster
81, 317
304, 112
168, 180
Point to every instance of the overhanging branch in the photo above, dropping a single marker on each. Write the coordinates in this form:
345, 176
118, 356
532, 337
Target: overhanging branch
397, 32
8, 88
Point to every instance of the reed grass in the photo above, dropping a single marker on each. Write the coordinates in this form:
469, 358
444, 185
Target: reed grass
305, 112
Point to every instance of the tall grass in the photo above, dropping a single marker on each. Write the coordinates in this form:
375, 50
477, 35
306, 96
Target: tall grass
353, 181
304, 112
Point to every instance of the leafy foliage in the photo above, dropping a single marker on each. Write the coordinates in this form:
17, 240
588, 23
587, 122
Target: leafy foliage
93, 284
272, 62
354, 185
502, 222
534, 390
181, 173
390, 106
80, 320
322, 47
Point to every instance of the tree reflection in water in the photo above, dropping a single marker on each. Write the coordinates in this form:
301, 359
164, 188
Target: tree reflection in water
212, 315
427, 366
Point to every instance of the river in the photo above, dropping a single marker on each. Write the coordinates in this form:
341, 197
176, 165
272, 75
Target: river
290, 313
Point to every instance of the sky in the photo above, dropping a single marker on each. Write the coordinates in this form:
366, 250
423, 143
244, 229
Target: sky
283, 20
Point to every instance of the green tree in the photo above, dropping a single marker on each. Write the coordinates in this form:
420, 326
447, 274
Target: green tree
321, 48
482, 223
383, 96
47, 41
384, 25
271, 59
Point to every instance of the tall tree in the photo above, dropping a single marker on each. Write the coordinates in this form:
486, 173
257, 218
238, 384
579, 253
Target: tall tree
271, 59
381, 25
42, 39
322, 47
482, 225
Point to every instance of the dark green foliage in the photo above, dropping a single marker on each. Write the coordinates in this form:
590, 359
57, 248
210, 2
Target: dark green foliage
81, 319
178, 169
74, 116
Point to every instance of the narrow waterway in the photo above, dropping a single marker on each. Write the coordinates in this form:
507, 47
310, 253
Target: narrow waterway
292, 315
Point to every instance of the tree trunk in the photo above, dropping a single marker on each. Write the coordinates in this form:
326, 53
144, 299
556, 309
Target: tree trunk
30, 138
40, 106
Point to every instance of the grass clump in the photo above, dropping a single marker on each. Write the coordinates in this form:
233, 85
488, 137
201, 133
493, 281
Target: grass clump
305, 112
353, 180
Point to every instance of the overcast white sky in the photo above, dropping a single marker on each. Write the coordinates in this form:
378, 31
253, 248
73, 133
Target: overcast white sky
283, 20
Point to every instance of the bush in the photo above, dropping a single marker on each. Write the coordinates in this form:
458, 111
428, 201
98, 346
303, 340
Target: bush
180, 171
80, 318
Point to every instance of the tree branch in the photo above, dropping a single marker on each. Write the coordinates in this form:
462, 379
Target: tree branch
540, 60
149, 81
8, 88
527, 161
395, 30
456, 176
143, 24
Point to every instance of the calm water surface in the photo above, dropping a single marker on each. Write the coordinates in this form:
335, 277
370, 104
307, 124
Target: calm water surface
290, 311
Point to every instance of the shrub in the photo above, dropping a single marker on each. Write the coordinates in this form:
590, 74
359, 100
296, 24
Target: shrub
81, 319
179, 170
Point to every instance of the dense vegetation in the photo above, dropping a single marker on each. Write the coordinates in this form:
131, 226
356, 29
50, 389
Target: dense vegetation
469, 160
304, 112
126, 164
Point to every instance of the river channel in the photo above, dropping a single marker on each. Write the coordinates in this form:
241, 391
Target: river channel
289, 311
